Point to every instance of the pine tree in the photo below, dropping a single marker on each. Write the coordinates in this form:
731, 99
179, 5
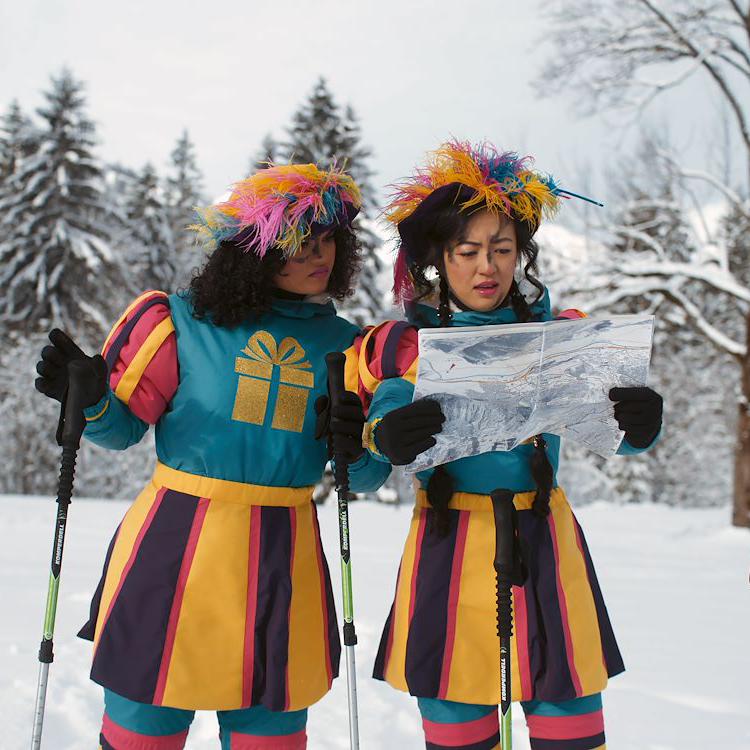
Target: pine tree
184, 187
319, 133
18, 139
54, 237
268, 153
152, 250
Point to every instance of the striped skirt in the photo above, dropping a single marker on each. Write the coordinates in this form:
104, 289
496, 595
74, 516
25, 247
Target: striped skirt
216, 595
440, 639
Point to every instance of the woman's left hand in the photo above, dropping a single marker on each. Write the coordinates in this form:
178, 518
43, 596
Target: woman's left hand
638, 412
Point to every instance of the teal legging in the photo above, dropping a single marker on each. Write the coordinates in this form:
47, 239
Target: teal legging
576, 724
139, 726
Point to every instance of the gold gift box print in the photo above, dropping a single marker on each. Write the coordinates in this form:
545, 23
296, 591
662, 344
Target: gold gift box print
256, 370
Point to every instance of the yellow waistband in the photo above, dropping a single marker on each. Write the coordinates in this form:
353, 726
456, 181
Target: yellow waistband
231, 492
470, 501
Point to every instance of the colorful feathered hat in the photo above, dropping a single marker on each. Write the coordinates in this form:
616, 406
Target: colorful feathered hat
281, 206
472, 177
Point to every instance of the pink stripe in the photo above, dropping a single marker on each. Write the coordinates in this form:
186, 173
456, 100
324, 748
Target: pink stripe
323, 597
124, 739
565, 727
293, 539
453, 594
521, 620
296, 741
174, 615
158, 383
463, 733
564, 611
248, 660
417, 556
133, 554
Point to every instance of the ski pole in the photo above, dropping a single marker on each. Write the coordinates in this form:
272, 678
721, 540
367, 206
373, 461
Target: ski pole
505, 524
335, 363
69, 431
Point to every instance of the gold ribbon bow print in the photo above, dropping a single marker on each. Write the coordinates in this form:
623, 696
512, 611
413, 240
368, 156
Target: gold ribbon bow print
262, 354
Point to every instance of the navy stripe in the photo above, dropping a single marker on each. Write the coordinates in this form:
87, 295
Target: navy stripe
120, 340
487, 744
390, 349
104, 744
334, 640
129, 653
88, 631
612, 655
425, 645
378, 671
535, 643
272, 613
550, 673
582, 743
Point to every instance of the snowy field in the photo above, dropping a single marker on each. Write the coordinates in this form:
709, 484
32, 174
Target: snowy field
676, 582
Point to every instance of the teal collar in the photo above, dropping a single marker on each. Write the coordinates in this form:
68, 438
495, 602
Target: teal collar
426, 316
302, 308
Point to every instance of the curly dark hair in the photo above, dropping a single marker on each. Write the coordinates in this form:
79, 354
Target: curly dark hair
235, 285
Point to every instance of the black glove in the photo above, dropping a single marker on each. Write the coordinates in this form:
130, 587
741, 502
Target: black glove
638, 412
342, 423
408, 431
55, 364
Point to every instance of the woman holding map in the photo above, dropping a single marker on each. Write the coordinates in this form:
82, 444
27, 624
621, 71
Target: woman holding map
467, 257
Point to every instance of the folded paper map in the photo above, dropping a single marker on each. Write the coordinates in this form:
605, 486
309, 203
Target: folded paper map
501, 385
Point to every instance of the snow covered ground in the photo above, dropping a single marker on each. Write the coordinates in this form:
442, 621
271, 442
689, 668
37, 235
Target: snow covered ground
676, 582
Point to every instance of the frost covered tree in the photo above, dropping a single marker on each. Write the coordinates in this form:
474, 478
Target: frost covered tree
56, 264
184, 191
151, 252
624, 56
322, 134
18, 140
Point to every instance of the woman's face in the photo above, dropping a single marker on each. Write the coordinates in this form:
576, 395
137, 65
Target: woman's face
479, 266
309, 270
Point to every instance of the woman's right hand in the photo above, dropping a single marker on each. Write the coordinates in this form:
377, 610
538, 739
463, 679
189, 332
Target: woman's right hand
404, 433
53, 370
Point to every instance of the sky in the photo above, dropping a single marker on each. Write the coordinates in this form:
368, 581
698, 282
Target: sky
415, 73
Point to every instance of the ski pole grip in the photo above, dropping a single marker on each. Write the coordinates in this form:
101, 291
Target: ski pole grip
335, 363
73, 422
502, 505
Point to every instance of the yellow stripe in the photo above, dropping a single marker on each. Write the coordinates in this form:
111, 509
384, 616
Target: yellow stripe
134, 372
100, 413
129, 528
351, 370
368, 436
370, 382
582, 618
395, 669
411, 373
127, 312
471, 501
206, 665
231, 492
476, 642
308, 680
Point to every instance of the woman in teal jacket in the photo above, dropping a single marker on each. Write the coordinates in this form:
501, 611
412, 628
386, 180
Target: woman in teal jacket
215, 592
469, 217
